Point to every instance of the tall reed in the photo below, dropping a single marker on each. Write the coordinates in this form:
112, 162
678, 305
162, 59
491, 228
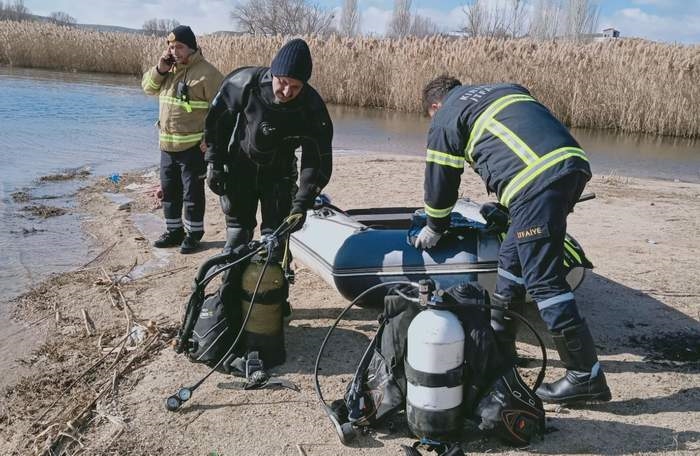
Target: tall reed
626, 84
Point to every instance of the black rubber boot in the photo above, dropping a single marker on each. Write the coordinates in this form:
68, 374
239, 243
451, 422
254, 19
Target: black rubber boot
505, 327
236, 237
584, 380
170, 238
190, 244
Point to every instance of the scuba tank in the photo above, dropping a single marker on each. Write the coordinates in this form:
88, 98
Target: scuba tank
434, 368
264, 330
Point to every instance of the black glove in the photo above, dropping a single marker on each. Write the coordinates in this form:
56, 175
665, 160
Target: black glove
300, 216
216, 179
496, 216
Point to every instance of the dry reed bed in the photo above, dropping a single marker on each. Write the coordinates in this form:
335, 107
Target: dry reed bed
631, 85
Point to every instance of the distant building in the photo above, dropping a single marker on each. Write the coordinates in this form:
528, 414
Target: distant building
611, 33
607, 34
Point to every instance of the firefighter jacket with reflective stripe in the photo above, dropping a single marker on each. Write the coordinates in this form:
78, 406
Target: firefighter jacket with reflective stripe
184, 94
511, 140
245, 117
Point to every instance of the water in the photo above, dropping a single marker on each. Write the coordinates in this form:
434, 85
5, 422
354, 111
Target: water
668, 158
52, 121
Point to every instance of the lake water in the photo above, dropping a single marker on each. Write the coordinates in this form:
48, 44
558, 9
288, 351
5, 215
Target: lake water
52, 121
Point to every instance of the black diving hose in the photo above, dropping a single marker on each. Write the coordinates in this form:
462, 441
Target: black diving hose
346, 431
174, 402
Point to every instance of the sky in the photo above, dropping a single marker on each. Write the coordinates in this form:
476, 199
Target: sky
658, 20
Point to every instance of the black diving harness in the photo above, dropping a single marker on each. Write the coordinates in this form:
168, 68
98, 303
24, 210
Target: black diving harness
347, 431
256, 377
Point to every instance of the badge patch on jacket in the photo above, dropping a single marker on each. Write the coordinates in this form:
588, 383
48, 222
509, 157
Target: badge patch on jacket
532, 233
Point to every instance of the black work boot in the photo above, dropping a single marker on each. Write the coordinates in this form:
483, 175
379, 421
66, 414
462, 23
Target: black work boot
236, 237
190, 243
170, 238
506, 327
584, 380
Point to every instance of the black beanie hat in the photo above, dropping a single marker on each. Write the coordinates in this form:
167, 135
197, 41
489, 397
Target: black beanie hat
184, 35
293, 60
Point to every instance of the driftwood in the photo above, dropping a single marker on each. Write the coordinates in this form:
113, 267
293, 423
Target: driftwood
99, 256
58, 428
59, 436
89, 324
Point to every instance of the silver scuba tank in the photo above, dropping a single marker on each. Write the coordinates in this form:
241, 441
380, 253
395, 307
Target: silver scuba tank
434, 369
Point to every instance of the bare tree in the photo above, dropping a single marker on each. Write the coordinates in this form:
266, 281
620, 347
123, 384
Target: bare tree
15, 11
488, 18
517, 17
159, 27
546, 19
423, 26
62, 18
282, 17
405, 23
350, 18
581, 18
400, 24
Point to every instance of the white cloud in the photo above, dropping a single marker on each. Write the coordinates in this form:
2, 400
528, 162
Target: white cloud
634, 22
204, 16
374, 21
448, 21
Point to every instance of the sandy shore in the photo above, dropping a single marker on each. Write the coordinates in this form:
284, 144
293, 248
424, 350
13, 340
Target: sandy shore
105, 392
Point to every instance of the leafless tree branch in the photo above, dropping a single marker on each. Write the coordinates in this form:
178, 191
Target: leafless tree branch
282, 17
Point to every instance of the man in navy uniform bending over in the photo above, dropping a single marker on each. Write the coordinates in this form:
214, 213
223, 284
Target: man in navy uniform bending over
538, 170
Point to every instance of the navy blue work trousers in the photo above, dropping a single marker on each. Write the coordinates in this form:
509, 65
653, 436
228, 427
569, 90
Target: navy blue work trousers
531, 257
182, 180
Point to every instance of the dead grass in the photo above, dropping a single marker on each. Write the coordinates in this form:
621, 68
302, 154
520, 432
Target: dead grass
629, 84
43, 211
78, 372
69, 174
21, 196
614, 179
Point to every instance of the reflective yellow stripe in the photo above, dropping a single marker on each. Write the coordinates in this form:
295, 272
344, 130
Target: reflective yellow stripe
441, 158
536, 168
148, 81
485, 118
438, 213
572, 251
183, 104
513, 142
179, 139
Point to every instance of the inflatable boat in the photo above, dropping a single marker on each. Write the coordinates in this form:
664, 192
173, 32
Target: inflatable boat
355, 249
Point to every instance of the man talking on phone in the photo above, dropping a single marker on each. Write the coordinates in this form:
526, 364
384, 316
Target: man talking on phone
185, 84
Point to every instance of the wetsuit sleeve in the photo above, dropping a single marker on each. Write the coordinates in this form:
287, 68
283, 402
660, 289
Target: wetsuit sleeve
443, 170
221, 119
316, 160
152, 80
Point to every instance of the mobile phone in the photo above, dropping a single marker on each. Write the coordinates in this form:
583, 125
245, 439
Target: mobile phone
170, 59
